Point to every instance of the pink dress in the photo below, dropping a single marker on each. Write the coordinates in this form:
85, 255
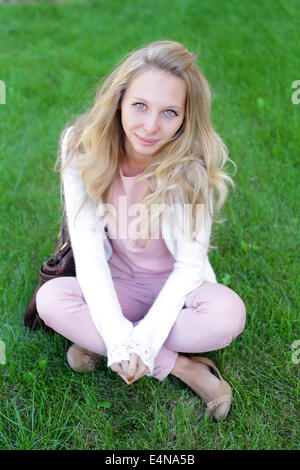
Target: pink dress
129, 259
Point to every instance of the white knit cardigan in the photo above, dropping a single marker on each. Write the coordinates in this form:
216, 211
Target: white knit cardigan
92, 249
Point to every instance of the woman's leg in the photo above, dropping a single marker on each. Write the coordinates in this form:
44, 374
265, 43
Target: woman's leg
212, 317
61, 305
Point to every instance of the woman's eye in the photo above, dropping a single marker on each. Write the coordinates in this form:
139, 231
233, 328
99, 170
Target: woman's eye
141, 106
171, 111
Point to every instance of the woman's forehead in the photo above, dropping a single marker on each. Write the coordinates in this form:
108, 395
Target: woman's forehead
151, 84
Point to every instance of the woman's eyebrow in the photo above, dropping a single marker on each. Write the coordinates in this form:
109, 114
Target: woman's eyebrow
143, 99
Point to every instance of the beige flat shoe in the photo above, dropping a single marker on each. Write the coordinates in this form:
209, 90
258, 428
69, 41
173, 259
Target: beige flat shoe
81, 360
218, 407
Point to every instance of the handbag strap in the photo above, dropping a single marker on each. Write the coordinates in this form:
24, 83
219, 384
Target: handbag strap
60, 253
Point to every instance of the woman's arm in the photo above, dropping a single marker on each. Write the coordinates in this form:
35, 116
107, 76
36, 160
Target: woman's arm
92, 270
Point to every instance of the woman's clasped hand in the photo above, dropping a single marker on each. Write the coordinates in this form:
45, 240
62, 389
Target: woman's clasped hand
131, 370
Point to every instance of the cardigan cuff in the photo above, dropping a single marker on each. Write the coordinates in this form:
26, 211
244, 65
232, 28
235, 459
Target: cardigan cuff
121, 352
117, 353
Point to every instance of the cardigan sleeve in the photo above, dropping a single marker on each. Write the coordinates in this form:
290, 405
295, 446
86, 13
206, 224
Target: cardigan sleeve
187, 274
92, 270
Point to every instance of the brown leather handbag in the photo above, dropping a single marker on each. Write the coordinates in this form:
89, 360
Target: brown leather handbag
61, 263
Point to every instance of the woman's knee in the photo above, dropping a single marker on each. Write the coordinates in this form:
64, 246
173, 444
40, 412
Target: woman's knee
50, 295
232, 313
229, 319
225, 307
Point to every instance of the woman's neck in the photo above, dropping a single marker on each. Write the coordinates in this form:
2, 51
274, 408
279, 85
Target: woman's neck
131, 167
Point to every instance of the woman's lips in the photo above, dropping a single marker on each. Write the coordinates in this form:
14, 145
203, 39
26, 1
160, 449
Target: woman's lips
146, 141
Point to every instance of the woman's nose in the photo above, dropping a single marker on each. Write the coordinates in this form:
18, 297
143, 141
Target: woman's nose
151, 124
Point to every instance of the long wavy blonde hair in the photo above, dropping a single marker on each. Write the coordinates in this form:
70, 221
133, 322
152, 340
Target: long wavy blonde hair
189, 167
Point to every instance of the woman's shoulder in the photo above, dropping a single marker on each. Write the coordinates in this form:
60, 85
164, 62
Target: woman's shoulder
66, 136
65, 144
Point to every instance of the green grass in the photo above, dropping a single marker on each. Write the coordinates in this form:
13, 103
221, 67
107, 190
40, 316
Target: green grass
51, 59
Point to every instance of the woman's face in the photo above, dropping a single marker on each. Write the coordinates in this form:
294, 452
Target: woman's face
152, 110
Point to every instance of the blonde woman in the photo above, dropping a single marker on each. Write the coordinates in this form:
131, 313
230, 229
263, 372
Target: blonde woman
142, 173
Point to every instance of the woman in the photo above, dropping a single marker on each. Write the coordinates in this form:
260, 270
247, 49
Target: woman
144, 289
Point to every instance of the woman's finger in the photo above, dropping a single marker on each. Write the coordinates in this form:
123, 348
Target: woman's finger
132, 366
135, 369
141, 370
124, 367
115, 367
124, 378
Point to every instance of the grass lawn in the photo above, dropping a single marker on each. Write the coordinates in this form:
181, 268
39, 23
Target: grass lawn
52, 55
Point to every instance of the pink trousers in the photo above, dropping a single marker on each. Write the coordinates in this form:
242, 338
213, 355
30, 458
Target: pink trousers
213, 315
